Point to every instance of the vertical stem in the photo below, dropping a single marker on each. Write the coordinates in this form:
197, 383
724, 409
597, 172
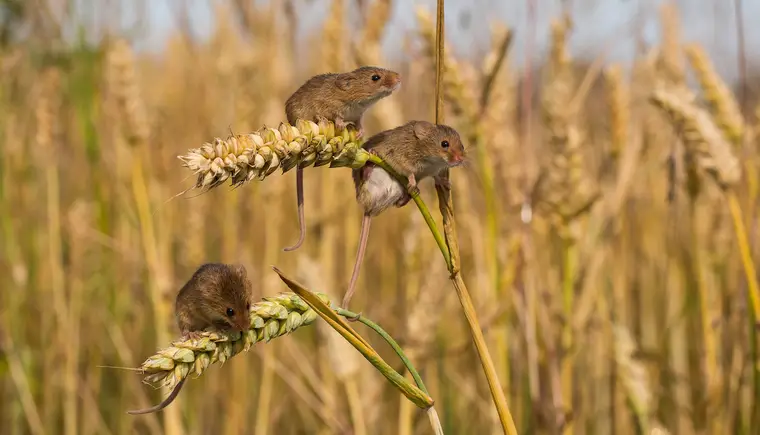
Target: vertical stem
173, 424
446, 206
746, 255
238, 381
272, 250
741, 53
492, 259
568, 280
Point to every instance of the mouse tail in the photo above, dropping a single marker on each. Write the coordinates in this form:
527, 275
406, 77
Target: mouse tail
162, 405
366, 221
301, 219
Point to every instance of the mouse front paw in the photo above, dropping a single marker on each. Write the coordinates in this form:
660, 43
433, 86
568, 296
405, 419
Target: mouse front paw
442, 182
412, 186
403, 200
192, 335
342, 124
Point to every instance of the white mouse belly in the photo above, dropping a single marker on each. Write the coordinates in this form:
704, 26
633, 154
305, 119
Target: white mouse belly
380, 191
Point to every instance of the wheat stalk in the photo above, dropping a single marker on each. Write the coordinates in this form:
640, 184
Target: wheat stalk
123, 83
618, 101
271, 318
244, 157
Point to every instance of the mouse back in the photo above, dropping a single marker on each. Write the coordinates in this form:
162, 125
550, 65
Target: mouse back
367, 84
220, 295
341, 95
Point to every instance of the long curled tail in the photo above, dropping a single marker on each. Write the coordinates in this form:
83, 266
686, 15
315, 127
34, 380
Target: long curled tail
366, 221
301, 219
163, 404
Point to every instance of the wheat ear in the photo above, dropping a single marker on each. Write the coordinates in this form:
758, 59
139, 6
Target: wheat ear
271, 318
243, 157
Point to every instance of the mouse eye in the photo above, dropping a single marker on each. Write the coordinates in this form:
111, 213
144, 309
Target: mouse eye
230, 312
445, 144
375, 77
248, 306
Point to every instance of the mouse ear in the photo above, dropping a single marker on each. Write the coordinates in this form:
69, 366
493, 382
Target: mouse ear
240, 270
343, 83
420, 129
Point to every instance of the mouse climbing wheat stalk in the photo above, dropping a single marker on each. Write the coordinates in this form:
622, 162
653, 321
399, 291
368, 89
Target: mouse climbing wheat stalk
217, 296
416, 150
340, 98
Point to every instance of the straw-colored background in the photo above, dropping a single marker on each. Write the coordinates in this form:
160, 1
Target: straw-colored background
622, 304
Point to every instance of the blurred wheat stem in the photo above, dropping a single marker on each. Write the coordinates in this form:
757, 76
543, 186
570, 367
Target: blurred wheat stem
746, 254
714, 154
446, 206
271, 318
242, 158
439, 239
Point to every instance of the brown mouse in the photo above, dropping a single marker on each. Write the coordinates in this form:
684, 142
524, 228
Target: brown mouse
217, 296
416, 150
341, 98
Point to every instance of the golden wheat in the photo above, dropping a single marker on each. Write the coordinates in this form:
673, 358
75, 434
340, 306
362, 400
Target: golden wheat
245, 157
713, 152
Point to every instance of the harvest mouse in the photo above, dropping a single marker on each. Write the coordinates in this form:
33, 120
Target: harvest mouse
416, 150
342, 98
218, 297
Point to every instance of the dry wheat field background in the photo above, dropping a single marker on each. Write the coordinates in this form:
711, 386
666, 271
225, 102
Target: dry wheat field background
607, 220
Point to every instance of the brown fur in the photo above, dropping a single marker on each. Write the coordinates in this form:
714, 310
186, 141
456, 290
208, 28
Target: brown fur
204, 300
415, 151
342, 98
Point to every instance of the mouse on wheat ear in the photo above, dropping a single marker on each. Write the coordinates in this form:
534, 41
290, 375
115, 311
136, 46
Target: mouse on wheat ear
217, 297
342, 98
415, 150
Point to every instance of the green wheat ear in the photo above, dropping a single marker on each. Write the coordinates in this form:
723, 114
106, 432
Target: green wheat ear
270, 318
241, 158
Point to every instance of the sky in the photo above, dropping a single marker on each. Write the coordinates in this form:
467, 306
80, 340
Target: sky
599, 25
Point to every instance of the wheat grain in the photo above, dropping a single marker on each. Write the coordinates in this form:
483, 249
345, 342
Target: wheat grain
271, 318
712, 151
122, 79
244, 157
721, 101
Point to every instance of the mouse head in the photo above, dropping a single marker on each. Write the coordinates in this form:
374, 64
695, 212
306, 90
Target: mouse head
228, 294
368, 84
440, 141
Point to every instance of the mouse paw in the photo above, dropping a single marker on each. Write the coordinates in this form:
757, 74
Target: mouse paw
403, 200
192, 335
341, 124
444, 183
412, 186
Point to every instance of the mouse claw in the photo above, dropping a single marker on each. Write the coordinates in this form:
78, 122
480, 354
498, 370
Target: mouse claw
412, 187
403, 200
192, 335
442, 182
